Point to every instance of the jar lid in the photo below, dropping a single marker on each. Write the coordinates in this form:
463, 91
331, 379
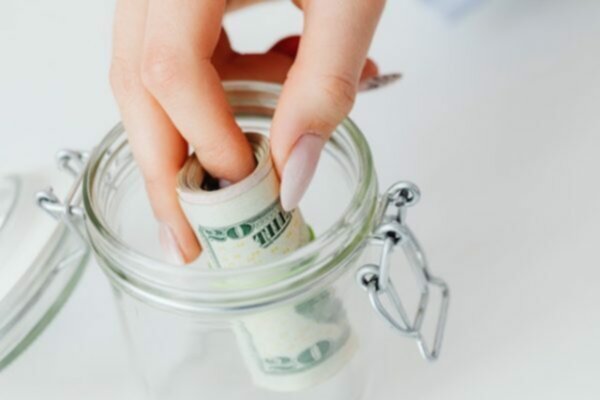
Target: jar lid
40, 259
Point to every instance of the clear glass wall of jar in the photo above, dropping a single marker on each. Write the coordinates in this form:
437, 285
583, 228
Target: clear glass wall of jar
200, 333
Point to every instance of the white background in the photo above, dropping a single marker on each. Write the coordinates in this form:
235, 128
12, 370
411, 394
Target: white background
498, 121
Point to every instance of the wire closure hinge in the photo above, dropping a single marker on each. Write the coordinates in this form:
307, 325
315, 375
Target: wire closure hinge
390, 232
74, 163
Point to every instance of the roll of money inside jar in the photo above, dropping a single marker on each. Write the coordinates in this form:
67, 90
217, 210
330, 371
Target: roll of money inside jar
294, 346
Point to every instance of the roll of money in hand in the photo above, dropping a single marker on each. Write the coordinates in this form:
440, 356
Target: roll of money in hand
292, 347
242, 224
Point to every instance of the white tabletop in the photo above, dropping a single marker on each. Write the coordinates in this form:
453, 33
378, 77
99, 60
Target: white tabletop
496, 119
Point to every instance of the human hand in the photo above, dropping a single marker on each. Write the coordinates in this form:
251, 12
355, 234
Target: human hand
169, 58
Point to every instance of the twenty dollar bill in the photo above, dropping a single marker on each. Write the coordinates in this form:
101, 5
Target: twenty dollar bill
294, 346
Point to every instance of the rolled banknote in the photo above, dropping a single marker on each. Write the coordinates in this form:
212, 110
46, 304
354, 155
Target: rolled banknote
243, 224
292, 347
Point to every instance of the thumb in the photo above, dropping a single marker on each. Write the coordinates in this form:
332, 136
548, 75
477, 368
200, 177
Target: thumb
311, 106
321, 87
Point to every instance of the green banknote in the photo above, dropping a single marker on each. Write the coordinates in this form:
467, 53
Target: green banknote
292, 347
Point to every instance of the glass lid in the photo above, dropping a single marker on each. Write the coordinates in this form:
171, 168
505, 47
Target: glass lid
40, 258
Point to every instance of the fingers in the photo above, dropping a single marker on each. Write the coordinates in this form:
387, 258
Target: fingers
274, 66
321, 87
369, 78
181, 36
268, 67
158, 148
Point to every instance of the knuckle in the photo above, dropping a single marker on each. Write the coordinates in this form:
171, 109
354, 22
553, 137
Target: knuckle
215, 151
160, 68
340, 93
158, 179
124, 79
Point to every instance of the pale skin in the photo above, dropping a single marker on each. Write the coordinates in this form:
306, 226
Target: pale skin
169, 57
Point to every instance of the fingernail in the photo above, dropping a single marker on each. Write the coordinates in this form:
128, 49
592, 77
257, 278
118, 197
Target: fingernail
378, 81
169, 245
299, 169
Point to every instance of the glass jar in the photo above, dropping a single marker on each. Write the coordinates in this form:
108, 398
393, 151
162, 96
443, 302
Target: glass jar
299, 327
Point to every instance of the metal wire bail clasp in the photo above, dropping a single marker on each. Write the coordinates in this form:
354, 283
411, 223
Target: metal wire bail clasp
391, 231
74, 163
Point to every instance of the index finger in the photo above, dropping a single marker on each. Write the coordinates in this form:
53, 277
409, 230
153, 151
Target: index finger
181, 36
157, 146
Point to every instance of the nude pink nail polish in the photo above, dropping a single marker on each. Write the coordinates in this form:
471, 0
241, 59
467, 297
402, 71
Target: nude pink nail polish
299, 169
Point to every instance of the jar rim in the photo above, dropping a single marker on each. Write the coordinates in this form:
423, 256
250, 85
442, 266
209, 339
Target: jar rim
150, 275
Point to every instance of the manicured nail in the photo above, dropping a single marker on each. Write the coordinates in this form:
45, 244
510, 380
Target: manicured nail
378, 81
169, 245
299, 169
